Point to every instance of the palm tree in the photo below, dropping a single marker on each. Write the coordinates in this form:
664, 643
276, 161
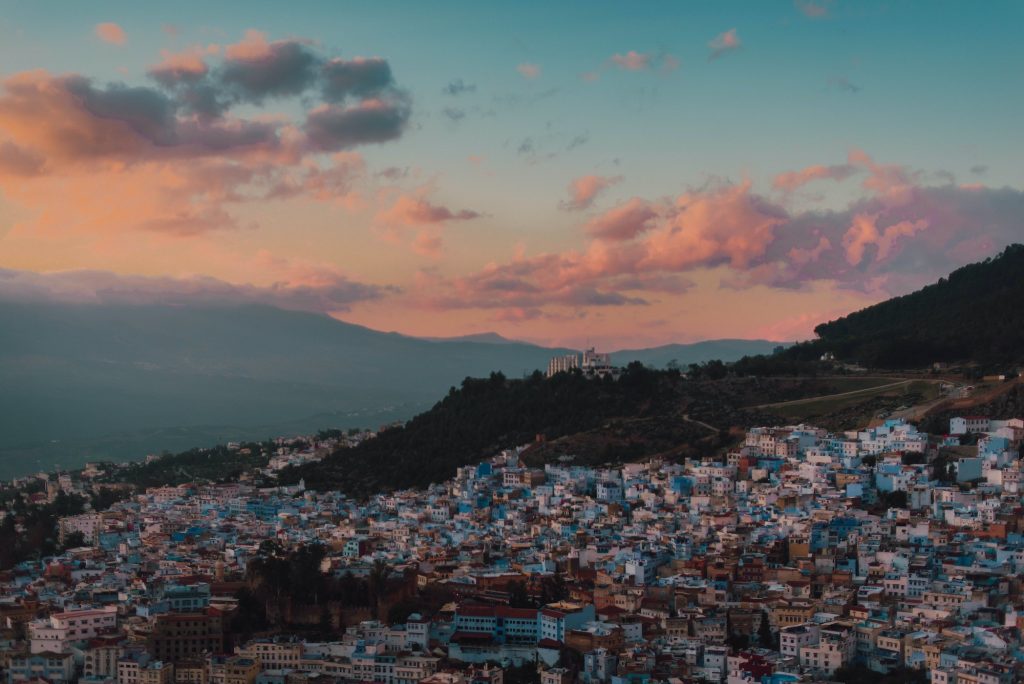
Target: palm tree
378, 581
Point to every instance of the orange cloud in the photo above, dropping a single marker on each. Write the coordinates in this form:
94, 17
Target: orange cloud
791, 180
528, 70
417, 211
585, 189
254, 46
723, 43
632, 61
110, 32
623, 222
189, 65
864, 232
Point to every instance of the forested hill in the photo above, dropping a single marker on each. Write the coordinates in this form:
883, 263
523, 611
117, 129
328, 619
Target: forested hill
974, 315
484, 416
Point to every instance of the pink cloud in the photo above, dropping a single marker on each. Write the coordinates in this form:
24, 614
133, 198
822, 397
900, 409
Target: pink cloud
643, 249
864, 232
187, 66
890, 181
800, 255
724, 225
173, 159
814, 10
109, 32
528, 70
417, 211
638, 247
585, 189
632, 61
623, 222
254, 46
792, 180
723, 43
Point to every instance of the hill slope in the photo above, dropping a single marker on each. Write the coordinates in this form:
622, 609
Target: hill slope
646, 412
486, 415
976, 314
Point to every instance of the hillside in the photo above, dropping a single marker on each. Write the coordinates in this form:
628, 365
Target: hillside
483, 416
646, 412
115, 382
974, 315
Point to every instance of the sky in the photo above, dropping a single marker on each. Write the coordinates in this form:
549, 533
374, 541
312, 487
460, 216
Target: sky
618, 174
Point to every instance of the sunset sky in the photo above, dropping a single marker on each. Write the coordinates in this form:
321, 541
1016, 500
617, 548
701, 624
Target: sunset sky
624, 174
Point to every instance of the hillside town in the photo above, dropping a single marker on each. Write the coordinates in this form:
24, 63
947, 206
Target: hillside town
799, 556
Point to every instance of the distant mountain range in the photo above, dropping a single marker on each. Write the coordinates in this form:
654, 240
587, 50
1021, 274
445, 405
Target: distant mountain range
112, 381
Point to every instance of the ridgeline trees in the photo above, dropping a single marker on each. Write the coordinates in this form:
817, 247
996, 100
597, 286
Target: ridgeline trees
483, 416
976, 314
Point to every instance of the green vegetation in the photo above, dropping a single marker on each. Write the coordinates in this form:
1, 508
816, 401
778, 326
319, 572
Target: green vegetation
974, 315
278, 579
217, 464
644, 413
29, 531
484, 416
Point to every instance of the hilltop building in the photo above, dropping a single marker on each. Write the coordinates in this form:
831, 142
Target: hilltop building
591, 362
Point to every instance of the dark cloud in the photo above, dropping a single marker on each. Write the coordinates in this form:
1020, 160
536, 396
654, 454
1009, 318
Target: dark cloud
172, 75
187, 113
979, 169
283, 68
332, 292
223, 135
204, 100
454, 113
178, 149
577, 141
355, 78
457, 87
148, 112
333, 127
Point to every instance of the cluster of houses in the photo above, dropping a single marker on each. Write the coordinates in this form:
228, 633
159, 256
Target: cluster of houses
797, 557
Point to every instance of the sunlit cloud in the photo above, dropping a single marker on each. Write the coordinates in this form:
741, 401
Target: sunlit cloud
724, 43
528, 70
585, 189
109, 32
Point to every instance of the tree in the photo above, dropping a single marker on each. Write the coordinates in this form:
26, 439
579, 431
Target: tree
74, 540
765, 637
518, 596
378, 580
737, 642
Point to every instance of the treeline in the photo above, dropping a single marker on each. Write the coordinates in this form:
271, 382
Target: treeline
214, 464
29, 531
276, 577
483, 416
974, 315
